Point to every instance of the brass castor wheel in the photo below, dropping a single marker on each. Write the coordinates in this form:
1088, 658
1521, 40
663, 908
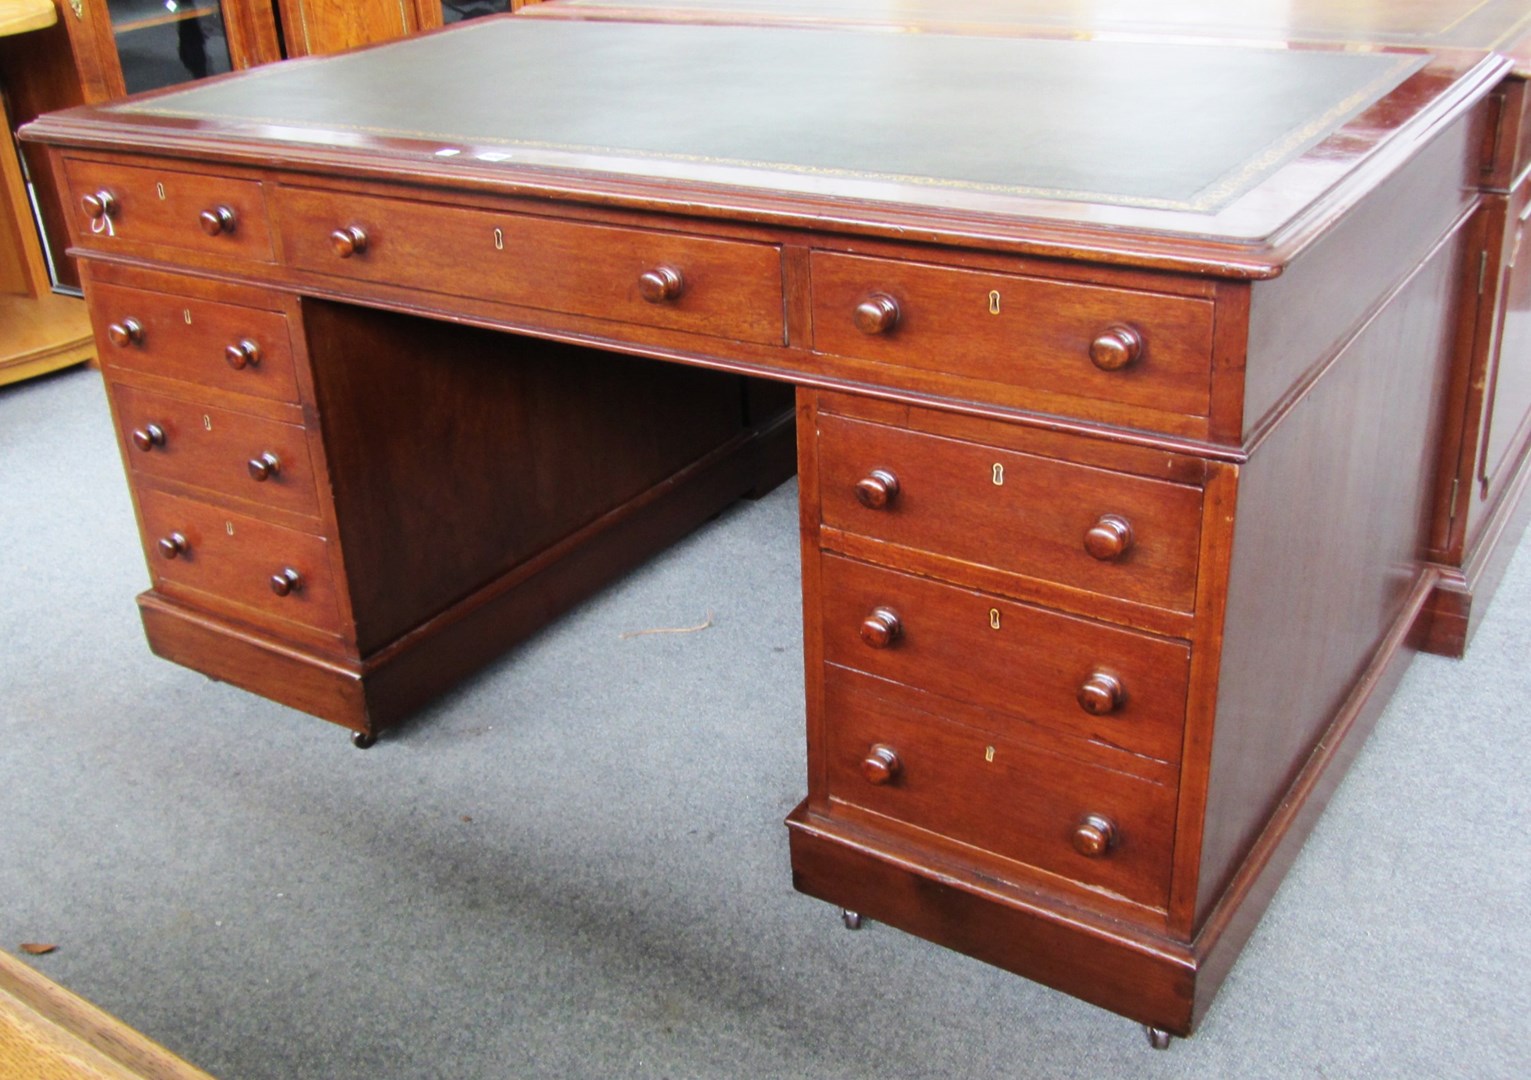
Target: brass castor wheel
361, 740
1158, 1038
851, 919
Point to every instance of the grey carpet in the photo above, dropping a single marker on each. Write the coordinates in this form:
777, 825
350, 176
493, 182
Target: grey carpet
575, 866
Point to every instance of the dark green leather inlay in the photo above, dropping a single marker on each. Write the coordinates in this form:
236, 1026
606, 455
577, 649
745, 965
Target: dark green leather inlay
1169, 126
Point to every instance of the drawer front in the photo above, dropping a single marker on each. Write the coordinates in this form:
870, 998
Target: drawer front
217, 449
246, 350
1014, 512
727, 288
197, 552
886, 756
1112, 686
214, 214
1019, 331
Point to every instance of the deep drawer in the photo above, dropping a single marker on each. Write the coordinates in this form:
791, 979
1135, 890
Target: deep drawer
202, 553
1104, 829
113, 204
727, 288
1019, 331
1013, 512
217, 449
1112, 686
231, 347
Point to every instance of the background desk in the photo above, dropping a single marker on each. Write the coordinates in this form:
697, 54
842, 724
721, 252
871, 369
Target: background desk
1116, 461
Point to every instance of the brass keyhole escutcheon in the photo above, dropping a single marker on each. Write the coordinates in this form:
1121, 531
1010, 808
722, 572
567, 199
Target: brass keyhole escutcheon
999, 475
994, 618
994, 302
499, 239
988, 754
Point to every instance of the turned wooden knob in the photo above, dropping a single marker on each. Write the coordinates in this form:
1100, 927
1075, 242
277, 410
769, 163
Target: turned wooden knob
1109, 538
286, 581
877, 314
148, 437
877, 489
661, 284
1095, 836
242, 354
1101, 694
1116, 347
881, 765
264, 467
218, 220
174, 546
351, 240
100, 205
881, 628
127, 332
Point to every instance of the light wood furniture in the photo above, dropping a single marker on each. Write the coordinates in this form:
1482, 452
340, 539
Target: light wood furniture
39, 332
1117, 461
48, 1032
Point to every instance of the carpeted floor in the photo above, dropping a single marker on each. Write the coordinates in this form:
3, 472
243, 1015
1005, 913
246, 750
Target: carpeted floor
575, 866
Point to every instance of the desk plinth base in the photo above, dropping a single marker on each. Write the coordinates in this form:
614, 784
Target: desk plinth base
1097, 959
1459, 601
377, 692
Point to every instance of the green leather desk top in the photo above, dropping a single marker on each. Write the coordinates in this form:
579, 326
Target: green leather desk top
1150, 125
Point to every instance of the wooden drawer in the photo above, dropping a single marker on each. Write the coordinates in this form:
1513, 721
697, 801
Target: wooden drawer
246, 350
727, 288
1018, 331
159, 206
888, 756
1013, 512
203, 554
215, 449
1112, 686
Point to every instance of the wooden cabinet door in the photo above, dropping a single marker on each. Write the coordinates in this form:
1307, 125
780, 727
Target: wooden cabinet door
312, 27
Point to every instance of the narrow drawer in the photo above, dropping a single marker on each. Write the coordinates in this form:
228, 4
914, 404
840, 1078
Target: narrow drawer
1088, 528
231, 347
115, 204
1098, 682
727, 288
264, 462
1089, 341
203, 553
1104, 829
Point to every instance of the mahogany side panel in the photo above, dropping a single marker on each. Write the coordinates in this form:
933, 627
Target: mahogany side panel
1332, 521
1335, 284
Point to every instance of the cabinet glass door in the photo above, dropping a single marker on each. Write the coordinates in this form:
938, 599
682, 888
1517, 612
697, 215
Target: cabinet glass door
164, 42
457, 10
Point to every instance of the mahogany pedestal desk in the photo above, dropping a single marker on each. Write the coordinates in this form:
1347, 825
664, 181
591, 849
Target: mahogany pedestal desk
1121, 370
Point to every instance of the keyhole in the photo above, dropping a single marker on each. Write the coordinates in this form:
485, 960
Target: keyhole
499, 240
994, 302
159, 189
994, 617
988, 753
999, 474
207, 422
